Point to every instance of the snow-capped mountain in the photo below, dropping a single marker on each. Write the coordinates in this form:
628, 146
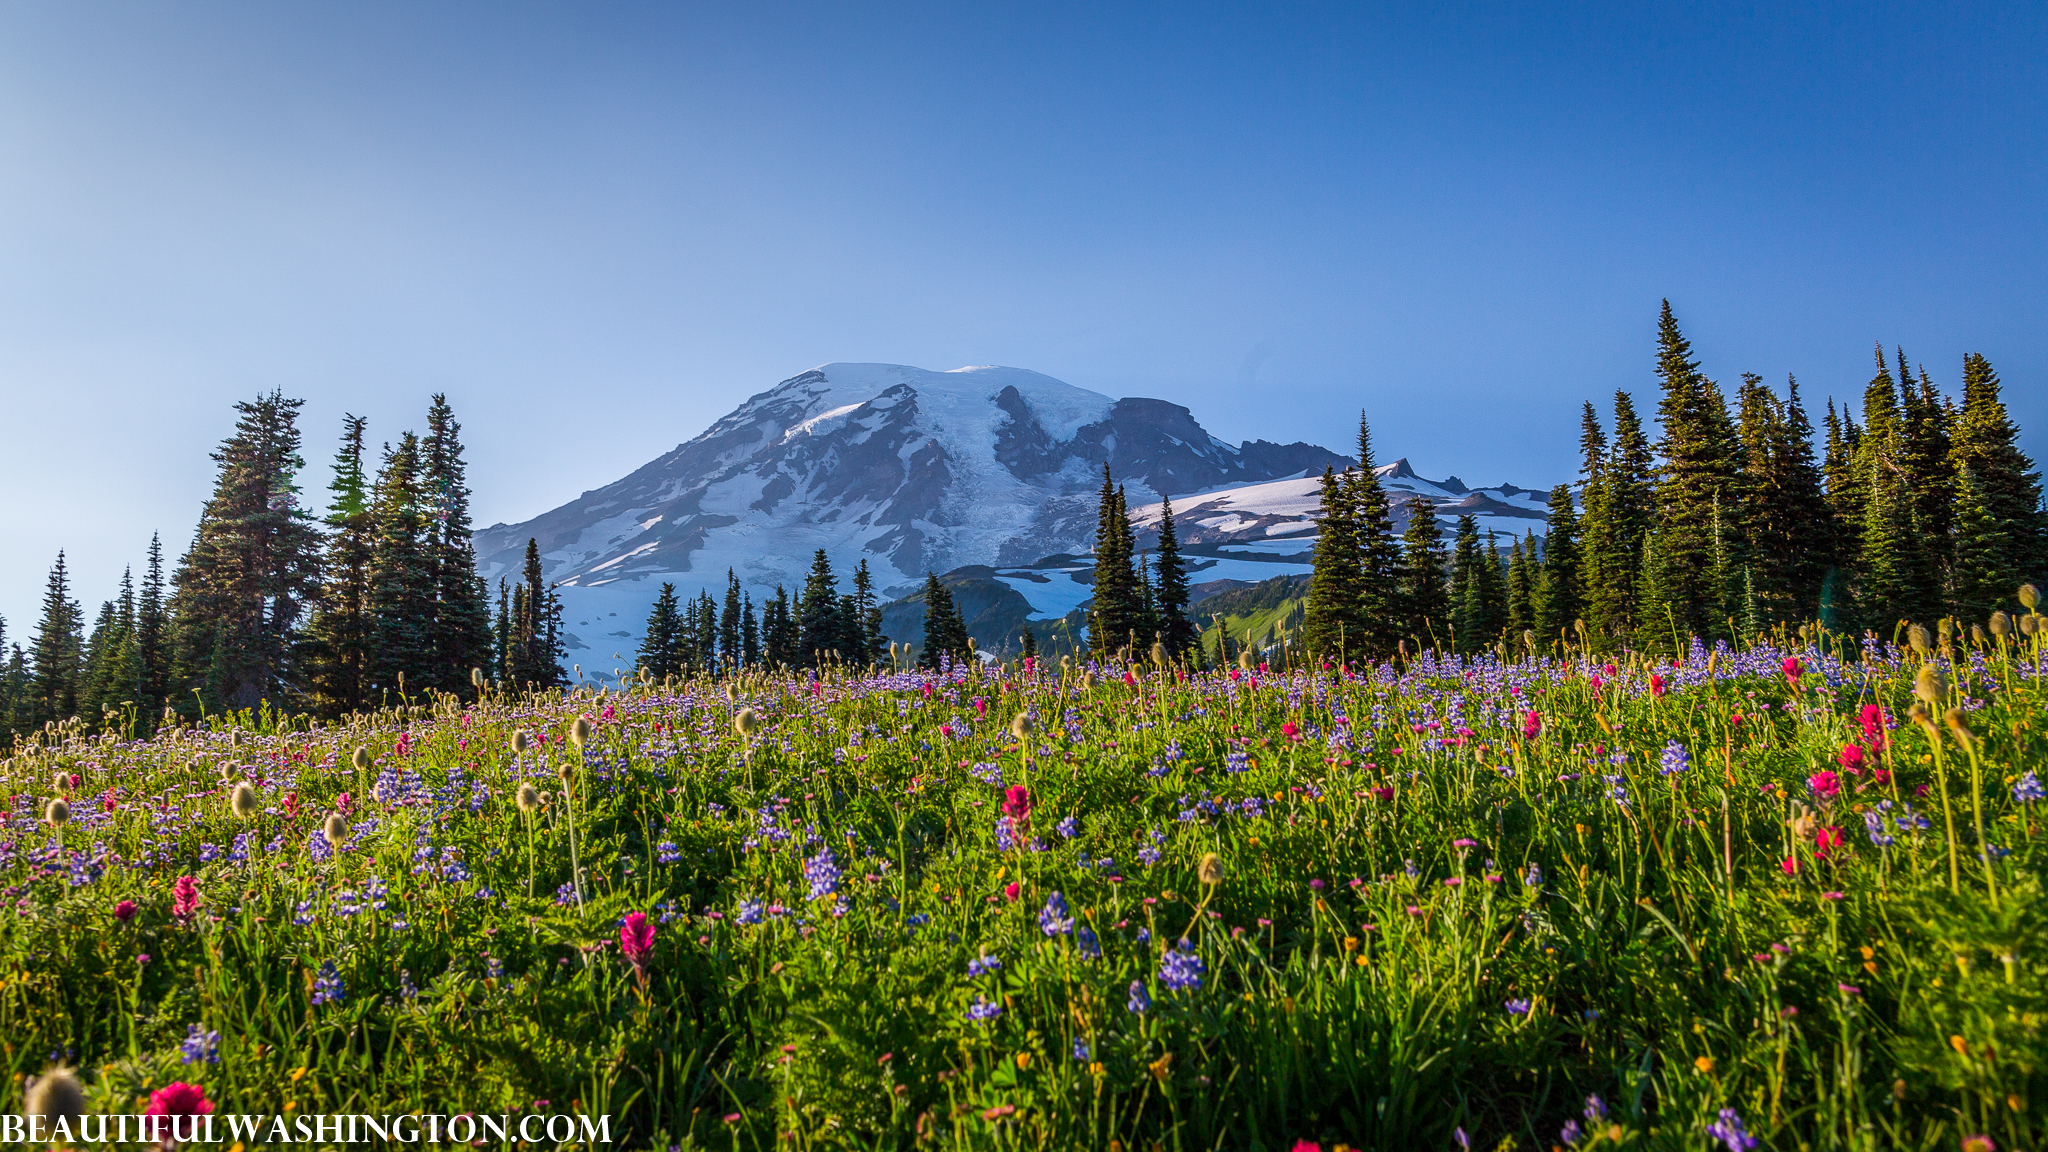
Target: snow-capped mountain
1279, 515
910, 469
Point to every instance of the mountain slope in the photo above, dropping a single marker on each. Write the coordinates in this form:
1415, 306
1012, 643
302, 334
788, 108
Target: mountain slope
907, 468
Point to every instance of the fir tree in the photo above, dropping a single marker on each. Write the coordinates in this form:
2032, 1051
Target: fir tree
1379, 610
729, 646
779, 638
750, 633
819, 627
1981, 578
535, 651
1117, 610
1986, 442
1697, 469
1522, 582
253, 565
1886, 591
660, 649
458, 638
1468, 607
336, 651
1176, 631
944, 632
1330, 620
401, 578
872, 646
56, 653
1425, 600
1558, 589
1616, 520
152, 638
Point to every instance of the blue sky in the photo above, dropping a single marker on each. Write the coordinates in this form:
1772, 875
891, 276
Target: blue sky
598, 228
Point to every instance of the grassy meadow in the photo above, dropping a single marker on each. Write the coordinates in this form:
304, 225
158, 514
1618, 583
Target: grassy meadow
1739, 899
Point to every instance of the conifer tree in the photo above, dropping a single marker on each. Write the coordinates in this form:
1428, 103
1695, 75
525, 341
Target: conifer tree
335, 654
1176, 631
253, 565
1617, 519
1378, 607
871, 645
729, 646
56, 653
1986, 441
944, 632
659, 654
536, 649
1521, 582
1493, 591
1425, 599
1887, 591
1697, 469
1558, 591
750, 633
401, 578
16, 694
1329, 624
779, 637
702, 632
152, 639
1468, 596
458, 638
501, 636
818, 619
1118, 608
1981, 577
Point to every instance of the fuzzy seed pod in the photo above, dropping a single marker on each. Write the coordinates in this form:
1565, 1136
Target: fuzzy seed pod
1244, 660
2029, 598
476, 677
1159, 653
335, 829
2029, 625
61, 782
228, 771
360, 758
1211, 870
2001, 625
1929, 686
1918, 638
732, 693
1959, 725
528, 798
1976, 634
1087, 679
521, 741
1945, 628
244, 800
54, 1095
1022, 726
579, 732
747, 722
57, 812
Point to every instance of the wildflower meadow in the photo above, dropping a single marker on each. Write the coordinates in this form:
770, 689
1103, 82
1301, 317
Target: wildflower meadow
1783, 895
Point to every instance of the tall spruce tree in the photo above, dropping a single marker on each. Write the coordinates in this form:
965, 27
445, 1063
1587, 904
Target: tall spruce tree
1176, 630
1521, 589
1986, 442
401, 578
871, 644
750, 633
1329, 626
730, 651
1617, 518
458, 638
57, 652
1118, 608
1558, 589
945, 635
1982, 577
819, 626
660, 653
1468, 608
779, 637
1425, 598
253, 565
336, 652
1696, 471
1378, 607
535, 651
152, 637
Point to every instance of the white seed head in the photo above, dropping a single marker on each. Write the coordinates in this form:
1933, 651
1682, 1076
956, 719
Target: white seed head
528, 798
747, 721
335, 829
57, 812
244, 800
579, 732
2030, 598
360, 758
56, 1094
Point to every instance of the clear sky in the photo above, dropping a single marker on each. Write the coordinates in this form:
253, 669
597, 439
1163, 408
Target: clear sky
599, 227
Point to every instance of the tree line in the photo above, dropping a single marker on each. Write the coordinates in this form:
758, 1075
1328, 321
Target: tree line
273, 607
1728, 524
822, 625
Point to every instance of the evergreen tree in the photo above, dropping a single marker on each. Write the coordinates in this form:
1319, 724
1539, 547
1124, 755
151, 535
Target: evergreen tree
1468, 607
1118, 608
1616, 520
1522, 581
729, 653
1379, 608
1786, 525
1982, 578
750, 633
1558, 589
1592, 443
1425, 599
702, 633
152, 638
113, 662
1329, 625
819, 626
779, 636
16, 694
1493, 592
401, 578
458, 638
501, 636
253, 565
1887, 589
944, 633
56, 653
1986, 442
660, 649
535, 650
872, 646
336, 651
1175, 629
1698, 467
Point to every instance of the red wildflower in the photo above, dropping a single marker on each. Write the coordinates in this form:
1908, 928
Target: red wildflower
1017, 802
1850, 757
1532, 724
124, 911
184, 897
1792, 669
1012, 890
1825, 841
1790, 865
636, 942
178, 1099
1825, 785
1873, 727
1291, 730
1657, 688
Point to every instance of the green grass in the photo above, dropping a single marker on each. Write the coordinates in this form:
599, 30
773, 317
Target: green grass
1375, 968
